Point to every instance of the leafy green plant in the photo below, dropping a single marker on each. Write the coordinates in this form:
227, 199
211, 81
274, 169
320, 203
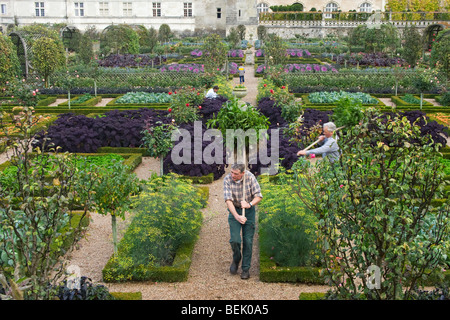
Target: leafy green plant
348, 112
144, 98
332, 97
409, 98
82, 99
236, 114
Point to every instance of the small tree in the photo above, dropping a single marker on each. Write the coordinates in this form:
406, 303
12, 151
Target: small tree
275, 50
9, 62
164, 33
48, 55
158, 141
241, 31
85, 51
375, 210
113, 193
413, 45
36, 227
423, 82
261, 31
440, 52
215, 52
233, 38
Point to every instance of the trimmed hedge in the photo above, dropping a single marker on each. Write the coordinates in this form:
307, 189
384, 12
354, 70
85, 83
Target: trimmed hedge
127, 295
178, 272
311, 296
270, 272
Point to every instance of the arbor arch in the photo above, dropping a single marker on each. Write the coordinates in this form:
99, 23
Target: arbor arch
430, 33
23, 49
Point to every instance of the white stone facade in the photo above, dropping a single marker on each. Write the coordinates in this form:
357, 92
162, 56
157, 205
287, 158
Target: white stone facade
180, 15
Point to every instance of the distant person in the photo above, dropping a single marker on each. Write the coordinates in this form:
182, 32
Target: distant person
241, 74
329, 148
212, 93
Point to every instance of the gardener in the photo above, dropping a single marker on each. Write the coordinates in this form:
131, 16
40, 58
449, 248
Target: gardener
329, 148
212, 93
234, 198
241, 74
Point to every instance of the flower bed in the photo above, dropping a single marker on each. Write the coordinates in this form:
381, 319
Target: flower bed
138, 98
183, 67
42, 121
158, 247
300, 68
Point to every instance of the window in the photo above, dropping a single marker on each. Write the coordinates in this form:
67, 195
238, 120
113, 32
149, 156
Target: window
262, 7
219, 13
365, 7
157, 9
331, 7
40, 10
79, 9
127, 9
104, 8
187, 9
3, 8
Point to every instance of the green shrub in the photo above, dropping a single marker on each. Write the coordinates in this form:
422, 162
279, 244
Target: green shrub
287, 226
444, 99
167, 218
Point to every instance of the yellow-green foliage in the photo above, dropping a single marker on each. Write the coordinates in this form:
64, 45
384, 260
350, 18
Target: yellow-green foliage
225, 87
167, 218
287, 227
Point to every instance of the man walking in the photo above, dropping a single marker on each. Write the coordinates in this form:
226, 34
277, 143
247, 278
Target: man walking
237, 200
241, 74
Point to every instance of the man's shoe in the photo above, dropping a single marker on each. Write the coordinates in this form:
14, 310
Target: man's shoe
245, 274
233, 268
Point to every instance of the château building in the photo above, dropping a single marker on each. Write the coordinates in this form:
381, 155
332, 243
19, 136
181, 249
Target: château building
189, 16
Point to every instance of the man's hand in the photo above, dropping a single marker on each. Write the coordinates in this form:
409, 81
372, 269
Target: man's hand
301, 153
245, 205
241, 219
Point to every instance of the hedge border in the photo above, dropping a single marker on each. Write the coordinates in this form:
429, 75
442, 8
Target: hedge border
206, 179
270, 272
179, 273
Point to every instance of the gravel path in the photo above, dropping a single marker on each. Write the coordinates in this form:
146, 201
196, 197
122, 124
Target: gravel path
209, 277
